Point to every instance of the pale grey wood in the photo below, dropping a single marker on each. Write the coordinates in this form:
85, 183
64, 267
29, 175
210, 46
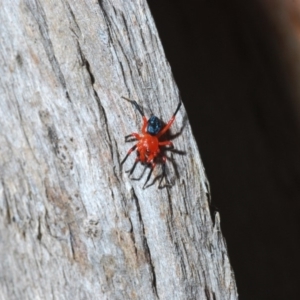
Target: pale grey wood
73, 224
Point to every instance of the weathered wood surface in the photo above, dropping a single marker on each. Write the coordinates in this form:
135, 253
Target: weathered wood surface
72, 224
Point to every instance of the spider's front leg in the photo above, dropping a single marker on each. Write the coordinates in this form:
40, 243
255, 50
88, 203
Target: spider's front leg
133, 135
145, 121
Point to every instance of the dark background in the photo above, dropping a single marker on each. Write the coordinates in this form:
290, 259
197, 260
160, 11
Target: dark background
226, 59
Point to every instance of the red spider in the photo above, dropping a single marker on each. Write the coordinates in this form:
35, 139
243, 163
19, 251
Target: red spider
148, 145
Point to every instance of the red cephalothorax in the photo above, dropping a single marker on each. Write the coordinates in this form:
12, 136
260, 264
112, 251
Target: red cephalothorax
148, 144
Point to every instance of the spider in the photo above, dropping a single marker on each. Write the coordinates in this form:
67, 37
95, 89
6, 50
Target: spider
148, 144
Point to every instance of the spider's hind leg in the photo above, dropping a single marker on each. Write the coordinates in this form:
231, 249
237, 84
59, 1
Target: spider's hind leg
133, 167
149, 175
128, 153
166, 143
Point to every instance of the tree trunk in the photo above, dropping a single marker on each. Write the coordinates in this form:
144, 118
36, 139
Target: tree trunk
73, 224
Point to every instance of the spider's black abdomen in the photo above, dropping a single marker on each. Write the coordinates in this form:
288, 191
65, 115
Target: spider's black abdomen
154, 125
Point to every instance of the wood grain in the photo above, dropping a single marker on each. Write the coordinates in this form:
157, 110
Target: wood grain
73, 224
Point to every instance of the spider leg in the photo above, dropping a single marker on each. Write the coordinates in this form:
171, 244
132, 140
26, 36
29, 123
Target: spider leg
135, 104
149, 175
166, 143
133, 167
141, 175
165, 129
133, 135
128, 153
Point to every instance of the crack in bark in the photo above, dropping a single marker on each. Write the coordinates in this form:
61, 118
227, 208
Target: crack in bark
86, 63
112, 153
128, 63
141, 33
100, 2
39, 235
8, 213
92, 77
214, 296
110, 29
74, 21
72, 242
133, 238
53, 137
170, 204
47, 216
130, 42
185, 197
145, 243
123, 74
24, 133
40, 17
212, 208
170, 217
209, 293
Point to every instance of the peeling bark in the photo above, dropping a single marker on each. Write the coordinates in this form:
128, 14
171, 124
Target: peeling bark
73, 224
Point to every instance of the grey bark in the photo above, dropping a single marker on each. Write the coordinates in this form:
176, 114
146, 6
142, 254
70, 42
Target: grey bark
73, 224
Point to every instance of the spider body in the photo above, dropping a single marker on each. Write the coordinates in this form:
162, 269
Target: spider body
148, 145
153, 125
